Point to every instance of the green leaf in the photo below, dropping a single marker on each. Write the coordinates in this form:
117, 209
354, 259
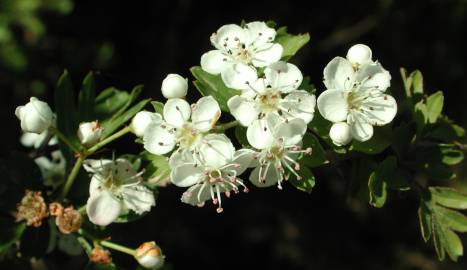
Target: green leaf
109, 102
212, 85
452, 244
434, 105
157, 171
400, 181
135, 93
455, 220
424, 216
240, 135
306, 183
114, 124
421, 116
377, 183
378, 143
69, 244
417, 82
87, 99
318, 155
407, 81
446, 130
291, 44
158, 107
438, 239
451, 155
11, 233
403, 135
449, 197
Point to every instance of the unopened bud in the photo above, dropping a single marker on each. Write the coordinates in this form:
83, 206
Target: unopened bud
149, 255
174, 86
359, 55
36, 116
89, 133
340, 133
141, 121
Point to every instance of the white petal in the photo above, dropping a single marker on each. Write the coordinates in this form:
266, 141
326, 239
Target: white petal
245, 158
270, 173
99, 166
339, 74
283, 76
299, 103
239, 76
138, 198
290, 132
123, 170
103, 209
214, 61
141, 121
243, 109
259, 33
159, 139
180, 157
216, 151
206, 112
95, 185
267, 54
186, 175
333, 106
340, 133
259, 134
374, 76
229, 36
380, 111
177, 111
361, 131
359, 54
198, 194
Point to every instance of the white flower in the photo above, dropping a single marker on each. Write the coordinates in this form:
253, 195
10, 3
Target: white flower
35, 140
36, 116
142, 120
174, 86
89, 133
149, 255
359, 55
115, 188
177, 129
215, 170
279, 144
357, 96
340, 133
239, 50
52, 170
277, 94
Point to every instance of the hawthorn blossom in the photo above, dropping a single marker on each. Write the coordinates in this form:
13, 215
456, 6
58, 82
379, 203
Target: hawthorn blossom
277, 94
142, 120
279, 145
115, 189
215, 171
89, 133
174, 86
177, 130
52, 169
356, 96
239, 50
36, 116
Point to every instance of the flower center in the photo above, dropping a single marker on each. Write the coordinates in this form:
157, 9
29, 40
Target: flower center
187, 136
241, 54
355, 100
269, 101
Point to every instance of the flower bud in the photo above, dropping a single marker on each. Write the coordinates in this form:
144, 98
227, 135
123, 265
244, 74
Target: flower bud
340, 133
149, 255
142, 120
36, 116
174, 86
89, 133
359, 55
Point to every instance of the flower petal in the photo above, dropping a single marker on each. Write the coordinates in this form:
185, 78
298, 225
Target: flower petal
283, 76
214, 61
138, 198
259, 33
177, 111
228, 36
103, 209
159, 139
206, 112
245, 158
339, 74
381, 110
216, 151
180, 157
361, 131
299, 103
265, 177
243, 109
198, 194
259, 134
97, 166
374, 76
333, 106
186, 175
267, 54
290, 132
239, 76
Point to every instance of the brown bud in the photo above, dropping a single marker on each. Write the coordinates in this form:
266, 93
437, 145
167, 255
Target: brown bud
69, 221
100, 256
32, 208
55, 209
149, 255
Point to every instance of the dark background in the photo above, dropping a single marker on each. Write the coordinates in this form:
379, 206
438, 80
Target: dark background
139, 42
